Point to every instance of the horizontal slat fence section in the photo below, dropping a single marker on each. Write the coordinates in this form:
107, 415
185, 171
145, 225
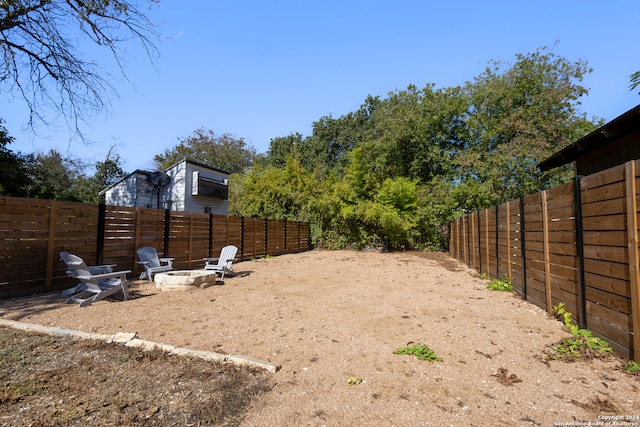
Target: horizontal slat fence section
575, 244
606, 260
34, 232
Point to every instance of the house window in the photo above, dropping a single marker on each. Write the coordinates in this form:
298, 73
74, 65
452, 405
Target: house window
201, 186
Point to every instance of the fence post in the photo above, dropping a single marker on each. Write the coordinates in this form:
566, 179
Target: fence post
167, 228
102, 216
582, 298
634, 257
523, 252
285, 237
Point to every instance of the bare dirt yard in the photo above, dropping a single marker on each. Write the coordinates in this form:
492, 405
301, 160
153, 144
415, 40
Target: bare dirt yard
333, 321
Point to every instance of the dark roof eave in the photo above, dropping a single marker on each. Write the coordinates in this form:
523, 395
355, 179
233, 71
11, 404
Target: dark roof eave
602, 136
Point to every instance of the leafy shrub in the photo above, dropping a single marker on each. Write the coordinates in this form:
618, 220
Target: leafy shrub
500, 285
582, 342
421, 351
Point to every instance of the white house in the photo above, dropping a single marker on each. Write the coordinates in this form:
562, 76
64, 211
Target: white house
186, 186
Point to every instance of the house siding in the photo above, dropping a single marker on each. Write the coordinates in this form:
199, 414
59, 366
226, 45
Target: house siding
130, 192
613, 154
136, 190
195, 203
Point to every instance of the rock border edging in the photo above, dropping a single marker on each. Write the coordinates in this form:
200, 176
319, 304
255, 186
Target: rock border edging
129, 339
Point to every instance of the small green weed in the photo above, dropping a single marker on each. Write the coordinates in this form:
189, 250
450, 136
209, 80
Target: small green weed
582, 341
421, 351
500, 285
483, 276
631, 367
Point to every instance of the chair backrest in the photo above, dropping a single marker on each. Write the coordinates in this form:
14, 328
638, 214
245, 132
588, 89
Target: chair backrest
79, 269
227, 254
149, 255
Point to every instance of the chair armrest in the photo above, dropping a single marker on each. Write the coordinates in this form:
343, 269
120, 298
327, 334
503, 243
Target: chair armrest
166, 259
103, 266
105, 275
94, 269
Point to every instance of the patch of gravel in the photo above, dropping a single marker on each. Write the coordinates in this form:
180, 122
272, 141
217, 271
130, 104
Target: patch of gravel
328, 317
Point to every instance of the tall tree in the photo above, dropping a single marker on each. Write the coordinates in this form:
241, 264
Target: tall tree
520, 114
419, 131
53, 176
406, 164
107, 172
13, 176
42, 62
332, 139
274, 192
283, 147
221, 151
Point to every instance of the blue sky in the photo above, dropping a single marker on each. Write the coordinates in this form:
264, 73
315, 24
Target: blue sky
260, 70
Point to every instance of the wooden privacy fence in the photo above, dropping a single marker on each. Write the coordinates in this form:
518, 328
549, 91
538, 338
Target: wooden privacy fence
576, 244
33, 233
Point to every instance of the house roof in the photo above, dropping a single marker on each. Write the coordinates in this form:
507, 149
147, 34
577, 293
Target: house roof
193, 162
608, 133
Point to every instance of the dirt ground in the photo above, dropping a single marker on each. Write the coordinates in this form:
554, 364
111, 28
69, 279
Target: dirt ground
332, 320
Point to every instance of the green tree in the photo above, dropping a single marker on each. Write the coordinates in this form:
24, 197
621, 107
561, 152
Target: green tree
272, 192
419, 132
224, 151
281, 148
53, 176
519, 115
370, 212
332, 139
394, 171
106, 172
13, 177
42, 60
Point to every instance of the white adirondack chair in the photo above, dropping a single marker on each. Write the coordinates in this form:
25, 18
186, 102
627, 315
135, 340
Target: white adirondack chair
95, 286
151, 263
94, 269
222, 264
